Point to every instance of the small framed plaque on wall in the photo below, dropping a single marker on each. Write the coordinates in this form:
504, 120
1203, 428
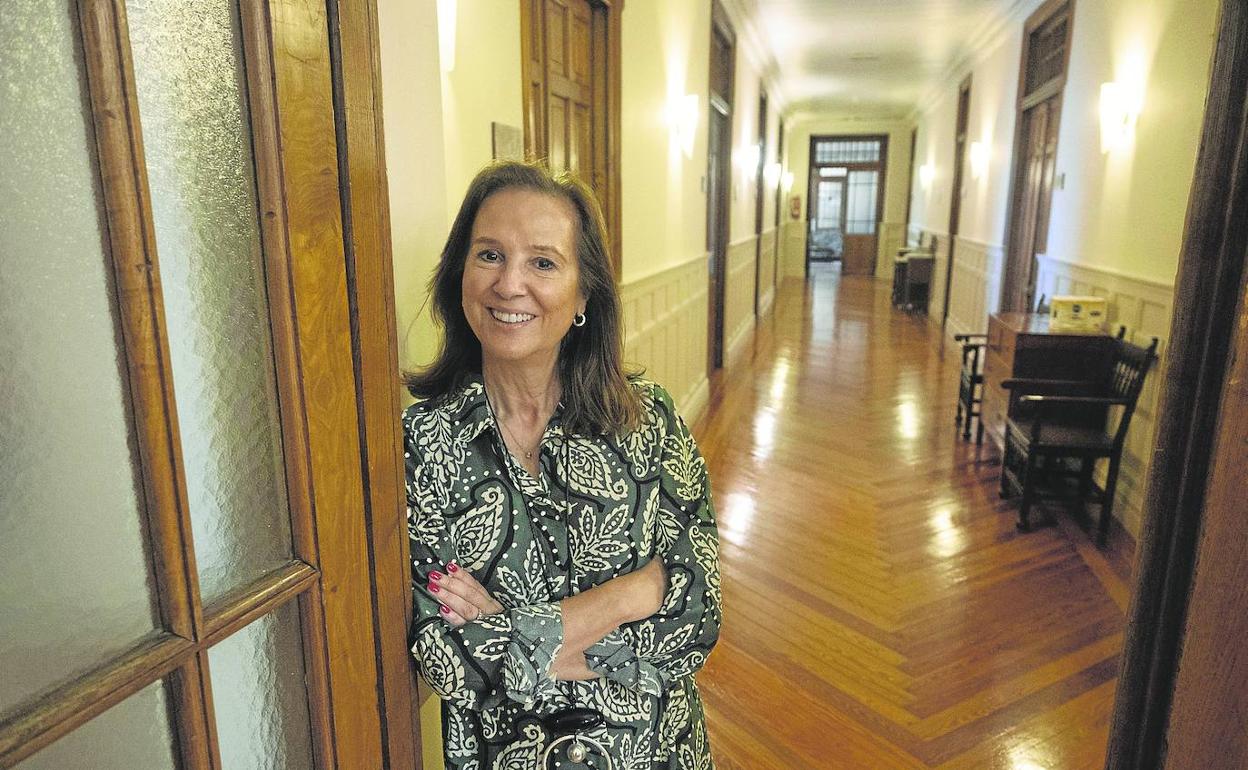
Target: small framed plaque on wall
508, 142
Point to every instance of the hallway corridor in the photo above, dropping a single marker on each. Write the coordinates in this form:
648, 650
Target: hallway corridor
881, 611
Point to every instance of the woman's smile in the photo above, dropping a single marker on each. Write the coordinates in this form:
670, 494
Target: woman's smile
511, 319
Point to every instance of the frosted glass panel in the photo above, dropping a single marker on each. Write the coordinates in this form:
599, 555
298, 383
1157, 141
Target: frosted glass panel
197, 142
260, 697
75, 586
133, 735
861, 202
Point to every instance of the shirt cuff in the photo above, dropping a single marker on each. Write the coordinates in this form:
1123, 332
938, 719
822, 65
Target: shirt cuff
536, 638
612, 658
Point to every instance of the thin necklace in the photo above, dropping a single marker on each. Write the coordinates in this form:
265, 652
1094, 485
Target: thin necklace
528, 455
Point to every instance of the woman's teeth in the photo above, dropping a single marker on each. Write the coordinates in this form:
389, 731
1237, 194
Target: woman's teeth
511, 318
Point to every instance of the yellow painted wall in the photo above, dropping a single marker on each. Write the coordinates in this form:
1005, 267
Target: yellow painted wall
1121, 211
483, 87
896, 173
412, 104
665, 58
1124, 210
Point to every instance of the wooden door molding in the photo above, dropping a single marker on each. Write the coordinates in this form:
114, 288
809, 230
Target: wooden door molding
721, 87
370, 277
1016, 272
758, 195
1205, 353
961, 139
605, 51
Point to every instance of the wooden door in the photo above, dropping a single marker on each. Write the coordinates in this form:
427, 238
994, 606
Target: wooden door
1042, 76
1030, 225
955, 204
722, 67
758, 197
859, 162
570, 58
195, 570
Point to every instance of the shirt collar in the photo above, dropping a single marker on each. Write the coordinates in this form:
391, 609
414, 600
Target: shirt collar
471, 412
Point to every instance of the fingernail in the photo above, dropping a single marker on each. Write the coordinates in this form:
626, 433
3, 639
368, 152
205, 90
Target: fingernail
452, 567
444, 610
434, 588
435, 575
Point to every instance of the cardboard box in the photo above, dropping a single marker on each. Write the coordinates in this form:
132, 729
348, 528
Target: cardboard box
1074, 313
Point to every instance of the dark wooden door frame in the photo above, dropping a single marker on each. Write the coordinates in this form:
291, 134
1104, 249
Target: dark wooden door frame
960, 139
1019, 157
720, 108
758, 194
914, 144
880, 190
779, 236
1208, 288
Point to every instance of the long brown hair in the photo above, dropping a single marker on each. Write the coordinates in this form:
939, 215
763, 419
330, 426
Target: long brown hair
597, 397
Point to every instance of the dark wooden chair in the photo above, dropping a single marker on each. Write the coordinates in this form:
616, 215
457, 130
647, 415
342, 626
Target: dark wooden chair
971, 385
1059, 432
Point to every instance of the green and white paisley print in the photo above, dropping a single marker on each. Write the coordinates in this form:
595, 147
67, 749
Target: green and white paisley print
602, 506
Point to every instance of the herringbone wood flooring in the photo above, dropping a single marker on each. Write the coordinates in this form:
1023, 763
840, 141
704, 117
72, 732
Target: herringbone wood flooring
881, 611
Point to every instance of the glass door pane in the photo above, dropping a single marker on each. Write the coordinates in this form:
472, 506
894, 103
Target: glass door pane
188, 65
861, 202
133, 735
260, 696
76, 587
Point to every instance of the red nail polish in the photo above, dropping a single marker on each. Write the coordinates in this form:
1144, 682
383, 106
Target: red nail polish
434, 588
452, 567
435, 575
444, 610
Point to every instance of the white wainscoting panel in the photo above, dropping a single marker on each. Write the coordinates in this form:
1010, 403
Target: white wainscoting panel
767, 269
793, 260
1144, 307
739, 298
976, 289
665, 320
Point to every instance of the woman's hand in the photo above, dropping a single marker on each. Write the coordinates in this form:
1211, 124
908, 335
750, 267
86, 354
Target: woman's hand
463, 598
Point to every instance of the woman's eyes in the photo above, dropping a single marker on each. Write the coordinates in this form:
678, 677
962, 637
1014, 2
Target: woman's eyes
544, 264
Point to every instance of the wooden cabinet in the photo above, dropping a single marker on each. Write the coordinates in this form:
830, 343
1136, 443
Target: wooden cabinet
1020, 345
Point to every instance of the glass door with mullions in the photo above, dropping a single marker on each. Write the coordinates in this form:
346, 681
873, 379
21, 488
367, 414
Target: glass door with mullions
162, 587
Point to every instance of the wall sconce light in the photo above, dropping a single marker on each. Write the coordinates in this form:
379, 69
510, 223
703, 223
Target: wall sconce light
1119, 111
979, 159
927, 173
750, 156
787, 181
446, 33
681, 116
772, 174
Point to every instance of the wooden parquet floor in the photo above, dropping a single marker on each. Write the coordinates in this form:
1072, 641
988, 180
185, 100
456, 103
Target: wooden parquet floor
881, 611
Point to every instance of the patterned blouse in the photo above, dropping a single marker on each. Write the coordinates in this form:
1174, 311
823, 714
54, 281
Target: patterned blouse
601, 506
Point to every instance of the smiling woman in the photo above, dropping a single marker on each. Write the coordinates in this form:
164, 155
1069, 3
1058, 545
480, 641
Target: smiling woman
564, 550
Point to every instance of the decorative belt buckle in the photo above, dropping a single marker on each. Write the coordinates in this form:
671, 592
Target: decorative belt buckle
567, 724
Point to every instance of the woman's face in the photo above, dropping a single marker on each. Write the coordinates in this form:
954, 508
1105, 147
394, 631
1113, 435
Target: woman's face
521, 284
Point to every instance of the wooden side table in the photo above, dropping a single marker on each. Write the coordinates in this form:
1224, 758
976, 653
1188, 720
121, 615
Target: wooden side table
1021, 345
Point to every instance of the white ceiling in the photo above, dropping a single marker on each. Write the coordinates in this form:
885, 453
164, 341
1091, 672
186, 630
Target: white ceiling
870, 58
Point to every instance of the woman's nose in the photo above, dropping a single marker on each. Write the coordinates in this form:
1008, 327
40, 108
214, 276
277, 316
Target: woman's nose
509, 281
